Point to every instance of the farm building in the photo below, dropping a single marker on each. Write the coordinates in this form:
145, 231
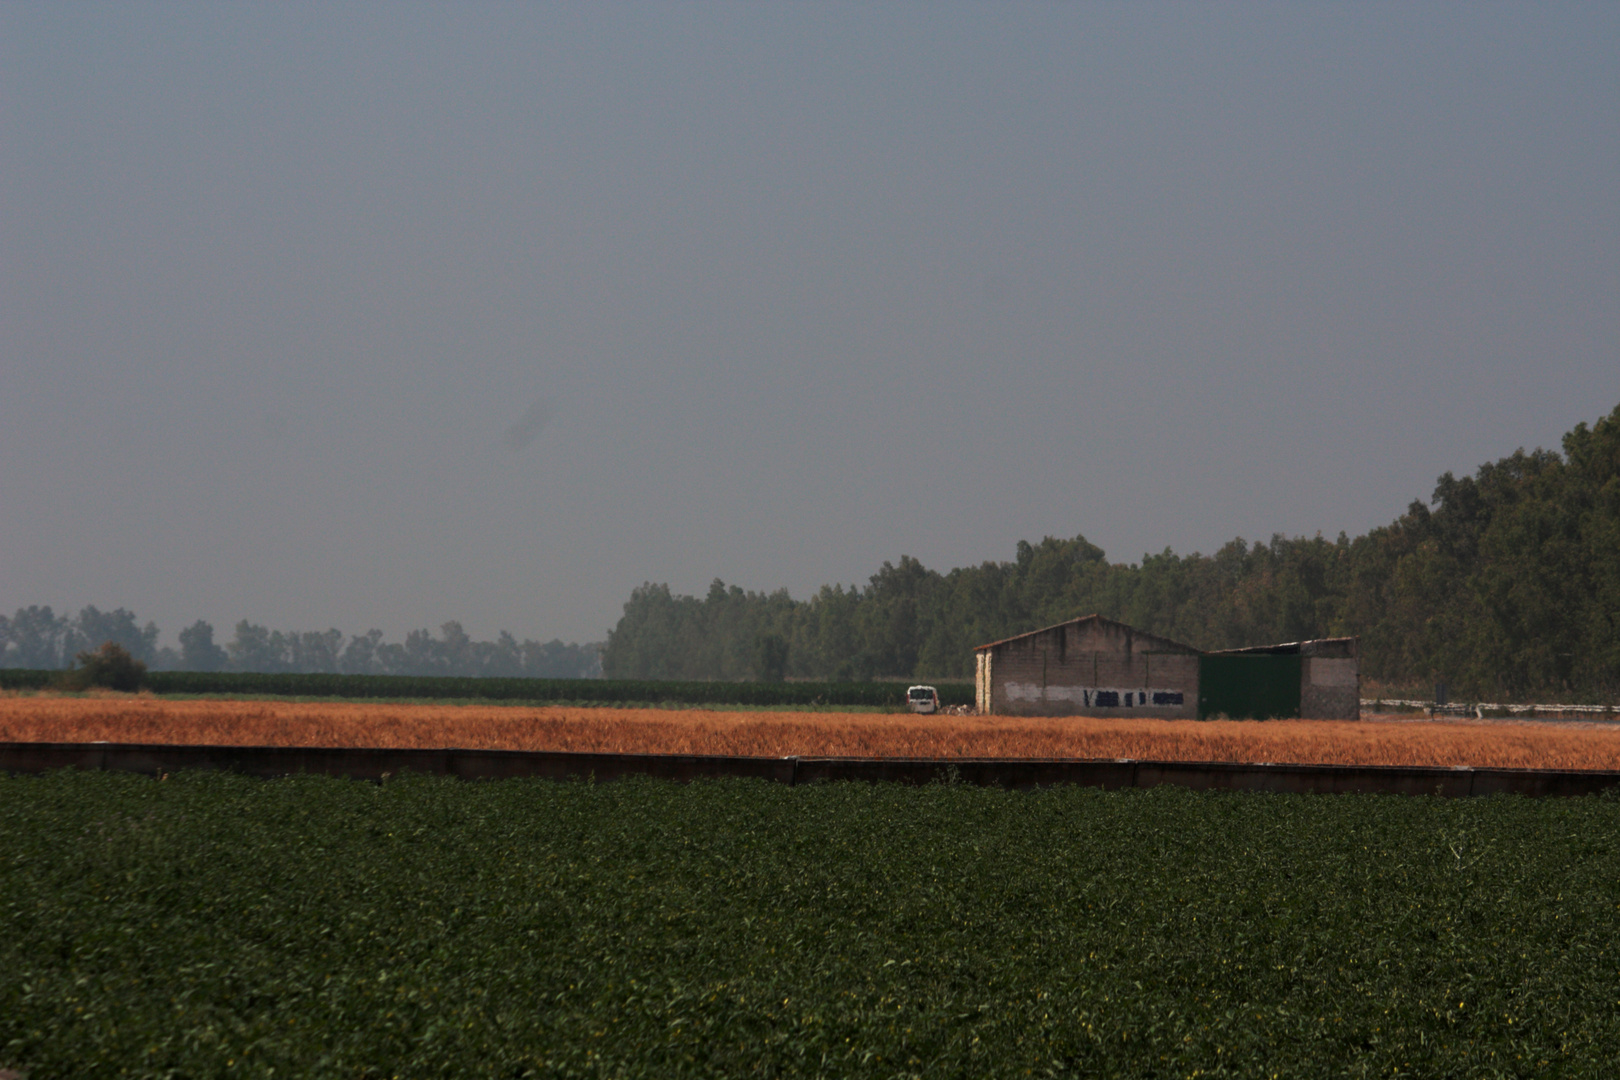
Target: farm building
1092, 666
1098, 667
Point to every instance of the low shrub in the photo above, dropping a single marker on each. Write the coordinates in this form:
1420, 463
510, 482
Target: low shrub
110, 667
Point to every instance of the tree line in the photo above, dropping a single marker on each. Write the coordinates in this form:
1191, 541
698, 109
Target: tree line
1506, 584
37, 637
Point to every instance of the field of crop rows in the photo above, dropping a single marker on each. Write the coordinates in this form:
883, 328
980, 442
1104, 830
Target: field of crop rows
208, 925
131, 718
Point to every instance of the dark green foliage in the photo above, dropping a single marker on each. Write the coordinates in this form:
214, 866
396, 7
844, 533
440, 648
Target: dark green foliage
455, 653
197, 649
27, 678
773, 654
1507, 587
110, 667
719, 637
36, 637
214, 925
601, 691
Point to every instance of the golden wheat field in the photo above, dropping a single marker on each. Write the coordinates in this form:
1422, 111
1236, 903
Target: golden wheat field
147, 719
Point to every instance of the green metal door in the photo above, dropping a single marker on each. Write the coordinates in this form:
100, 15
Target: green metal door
1256, 686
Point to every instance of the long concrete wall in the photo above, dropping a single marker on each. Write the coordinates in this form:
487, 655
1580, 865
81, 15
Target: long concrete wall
374, 764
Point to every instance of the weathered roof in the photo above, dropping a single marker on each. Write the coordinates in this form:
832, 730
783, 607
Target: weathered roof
1342, 645
1175, 645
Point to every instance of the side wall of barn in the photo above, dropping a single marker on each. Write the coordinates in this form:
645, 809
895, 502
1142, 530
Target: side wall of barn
1092, 669
1330, 684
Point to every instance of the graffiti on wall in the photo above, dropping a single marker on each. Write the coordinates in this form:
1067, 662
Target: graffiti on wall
1097, 697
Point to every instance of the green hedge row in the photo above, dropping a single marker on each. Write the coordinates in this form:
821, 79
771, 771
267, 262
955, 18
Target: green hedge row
432, 686
27, 678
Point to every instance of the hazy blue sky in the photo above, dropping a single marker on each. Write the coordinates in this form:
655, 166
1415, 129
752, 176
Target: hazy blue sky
386, 314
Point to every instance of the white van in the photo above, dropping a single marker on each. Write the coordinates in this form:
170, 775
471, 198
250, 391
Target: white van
922, 699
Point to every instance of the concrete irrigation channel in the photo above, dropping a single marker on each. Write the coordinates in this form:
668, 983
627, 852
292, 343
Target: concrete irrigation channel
155, 759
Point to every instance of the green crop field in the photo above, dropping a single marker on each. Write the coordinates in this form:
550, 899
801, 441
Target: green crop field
210, 925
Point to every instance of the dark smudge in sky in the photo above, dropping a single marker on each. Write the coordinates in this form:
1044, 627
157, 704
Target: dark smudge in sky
521, 435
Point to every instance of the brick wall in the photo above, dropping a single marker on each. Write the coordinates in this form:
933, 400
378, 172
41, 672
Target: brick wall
1330, 684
